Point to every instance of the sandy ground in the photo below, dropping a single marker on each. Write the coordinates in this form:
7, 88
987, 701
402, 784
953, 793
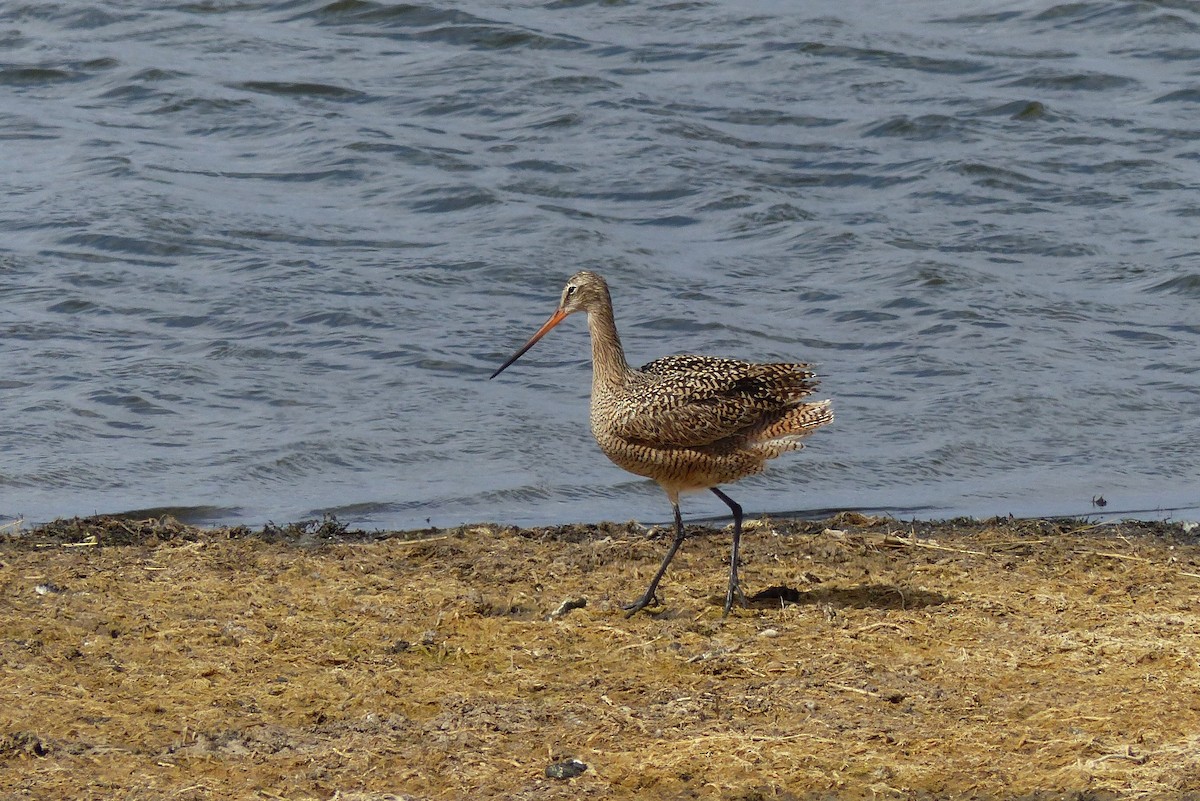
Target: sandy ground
1034, 659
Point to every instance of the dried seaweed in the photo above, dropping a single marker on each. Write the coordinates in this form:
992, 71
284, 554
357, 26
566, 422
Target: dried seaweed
1048, 659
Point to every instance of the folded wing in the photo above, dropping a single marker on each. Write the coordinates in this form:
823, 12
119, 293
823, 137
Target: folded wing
692, 401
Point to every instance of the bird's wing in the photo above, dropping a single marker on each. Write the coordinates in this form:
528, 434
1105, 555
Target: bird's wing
690, 401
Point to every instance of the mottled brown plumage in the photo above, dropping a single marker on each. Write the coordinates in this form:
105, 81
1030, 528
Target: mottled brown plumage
688, 422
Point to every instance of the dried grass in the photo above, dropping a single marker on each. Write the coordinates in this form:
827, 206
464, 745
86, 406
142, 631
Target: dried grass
1037, 659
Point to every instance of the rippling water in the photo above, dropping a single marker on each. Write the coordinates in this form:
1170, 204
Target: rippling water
257, 260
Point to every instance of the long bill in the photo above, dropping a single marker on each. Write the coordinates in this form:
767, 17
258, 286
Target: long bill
556, 318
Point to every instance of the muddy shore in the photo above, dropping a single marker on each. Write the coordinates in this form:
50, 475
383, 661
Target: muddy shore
881, 659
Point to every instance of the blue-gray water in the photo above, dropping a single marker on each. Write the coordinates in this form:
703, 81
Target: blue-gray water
257, 260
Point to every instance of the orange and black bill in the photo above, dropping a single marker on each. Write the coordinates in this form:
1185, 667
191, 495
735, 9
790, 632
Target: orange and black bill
554, 320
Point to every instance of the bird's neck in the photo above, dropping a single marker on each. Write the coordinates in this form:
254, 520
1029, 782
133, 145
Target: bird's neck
608, 358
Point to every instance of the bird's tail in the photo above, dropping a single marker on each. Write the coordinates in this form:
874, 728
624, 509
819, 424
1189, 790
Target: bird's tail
784, 432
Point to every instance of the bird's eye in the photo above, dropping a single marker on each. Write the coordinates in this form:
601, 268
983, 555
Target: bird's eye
571, 289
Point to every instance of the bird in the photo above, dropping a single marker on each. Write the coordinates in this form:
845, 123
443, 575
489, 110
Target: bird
688, 422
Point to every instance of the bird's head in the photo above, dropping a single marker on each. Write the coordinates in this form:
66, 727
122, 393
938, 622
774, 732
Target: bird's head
585, 291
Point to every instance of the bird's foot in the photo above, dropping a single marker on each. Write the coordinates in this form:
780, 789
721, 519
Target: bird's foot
735, 591
648, 599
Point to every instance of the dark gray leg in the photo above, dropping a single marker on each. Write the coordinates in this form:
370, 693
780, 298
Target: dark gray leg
734, 587
648, 597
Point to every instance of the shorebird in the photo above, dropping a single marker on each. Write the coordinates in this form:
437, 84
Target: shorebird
688, 422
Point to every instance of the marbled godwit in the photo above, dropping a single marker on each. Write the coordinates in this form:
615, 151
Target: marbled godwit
688, 422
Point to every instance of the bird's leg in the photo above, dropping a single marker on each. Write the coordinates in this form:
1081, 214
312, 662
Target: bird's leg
648, 597
734, 587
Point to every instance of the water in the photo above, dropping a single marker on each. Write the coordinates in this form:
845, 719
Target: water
257, 260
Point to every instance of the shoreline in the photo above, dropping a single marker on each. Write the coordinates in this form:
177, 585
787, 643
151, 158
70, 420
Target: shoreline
208, 517
137, 527
881, 659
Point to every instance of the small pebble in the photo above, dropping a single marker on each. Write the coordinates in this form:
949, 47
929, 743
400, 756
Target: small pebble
567, 769
49, 588
768, 633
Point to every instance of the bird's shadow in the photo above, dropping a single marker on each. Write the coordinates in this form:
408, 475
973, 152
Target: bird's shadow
863, 596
